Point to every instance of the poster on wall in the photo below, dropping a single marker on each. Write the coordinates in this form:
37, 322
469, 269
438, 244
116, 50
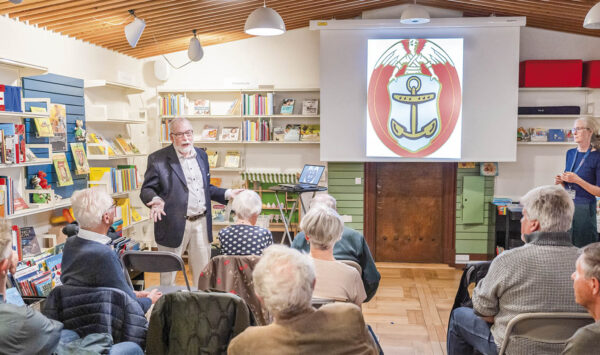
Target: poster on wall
58, 121
414, 98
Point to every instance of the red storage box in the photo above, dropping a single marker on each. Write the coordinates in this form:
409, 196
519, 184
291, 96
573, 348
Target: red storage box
550, 73
591, 74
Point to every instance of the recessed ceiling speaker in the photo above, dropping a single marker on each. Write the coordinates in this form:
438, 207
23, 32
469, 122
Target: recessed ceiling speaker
16, 1
161, 70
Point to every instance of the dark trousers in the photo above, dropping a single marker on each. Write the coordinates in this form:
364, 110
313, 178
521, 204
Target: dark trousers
467, 333
584, 230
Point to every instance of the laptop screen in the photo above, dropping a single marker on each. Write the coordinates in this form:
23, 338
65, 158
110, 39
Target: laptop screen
311, 174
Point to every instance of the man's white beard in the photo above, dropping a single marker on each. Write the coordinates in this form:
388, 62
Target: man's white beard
184, 150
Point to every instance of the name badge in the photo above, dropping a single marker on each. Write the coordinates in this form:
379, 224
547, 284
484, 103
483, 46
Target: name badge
571, 193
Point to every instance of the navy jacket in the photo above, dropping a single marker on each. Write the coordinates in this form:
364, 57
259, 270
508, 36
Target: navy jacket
164, 178
91, 264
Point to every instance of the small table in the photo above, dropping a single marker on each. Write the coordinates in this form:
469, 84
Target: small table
286, 221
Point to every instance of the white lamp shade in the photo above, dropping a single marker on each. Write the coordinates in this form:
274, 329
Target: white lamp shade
414, 15
134, 30
264, 21
195, 51
592, 19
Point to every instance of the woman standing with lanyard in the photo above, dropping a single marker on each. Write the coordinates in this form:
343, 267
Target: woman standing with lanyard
581, 179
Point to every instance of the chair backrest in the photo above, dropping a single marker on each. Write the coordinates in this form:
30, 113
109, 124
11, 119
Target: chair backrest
317, 302
153, 261
551, 328
196, 323
88, 310
354, 264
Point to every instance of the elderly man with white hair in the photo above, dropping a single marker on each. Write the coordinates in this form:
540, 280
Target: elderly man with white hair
88, 260
531, 278
323, 227
244, 237
284, 280
351, 246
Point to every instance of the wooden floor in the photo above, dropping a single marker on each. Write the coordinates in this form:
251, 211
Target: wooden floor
410, 311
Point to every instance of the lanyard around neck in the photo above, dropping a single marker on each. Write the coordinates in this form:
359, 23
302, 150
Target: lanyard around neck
582, 160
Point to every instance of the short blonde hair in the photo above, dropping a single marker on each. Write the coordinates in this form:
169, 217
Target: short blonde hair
323, 226
284, 279
247, 204
591, 124
89, 205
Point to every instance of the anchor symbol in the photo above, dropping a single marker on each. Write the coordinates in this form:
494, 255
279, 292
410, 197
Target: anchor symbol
413, 84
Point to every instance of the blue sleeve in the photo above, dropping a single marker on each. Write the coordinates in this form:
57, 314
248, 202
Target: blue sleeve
597, 182
300, 243
370, 274
151, 185
568, 159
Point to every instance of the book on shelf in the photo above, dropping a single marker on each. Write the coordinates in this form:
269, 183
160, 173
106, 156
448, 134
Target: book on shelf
216, 181
173, 105
201, 107
29, 242
232, 159
165, 132
7, 206
538, 134
135, 215
292, 133
120, 179
81, 163
287, 107
310, 133
213, 158
209, 133
258, 130
99, 150
310, 107
123, 144
257, 104
42, 124
134, 148
61, 167
20, 203
230, 134
218, 212
278, 133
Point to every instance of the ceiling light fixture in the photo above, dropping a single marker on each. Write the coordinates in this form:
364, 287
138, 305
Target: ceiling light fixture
592, 19
134, 30
264, 21
195, 51
16, 1
414, 15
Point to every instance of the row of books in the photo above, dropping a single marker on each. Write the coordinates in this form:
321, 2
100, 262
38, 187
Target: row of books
257, 131
310, 107
11, 200
544, 135
12, 147
231, 161
179, 104
120, 179
125, 214
257, 104
117, 146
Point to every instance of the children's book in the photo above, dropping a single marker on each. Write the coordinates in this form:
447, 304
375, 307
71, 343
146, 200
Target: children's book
310, 133
292, 133
213, 158
287, 107
230, 134
42, 124
218, 213
202, 107
232, 159
29, 242
278, 133
63, 172
310, 107
123, 144
209, 133
135, 215
81, 163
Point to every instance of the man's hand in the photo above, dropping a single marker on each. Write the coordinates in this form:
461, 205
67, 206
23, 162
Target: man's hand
157, 207
141, 294
154, 295
489, 319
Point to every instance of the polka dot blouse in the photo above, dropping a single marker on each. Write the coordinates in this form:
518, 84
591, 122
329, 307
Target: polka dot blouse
241, 239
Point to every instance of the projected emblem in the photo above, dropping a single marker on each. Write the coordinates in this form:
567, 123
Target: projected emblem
414, 97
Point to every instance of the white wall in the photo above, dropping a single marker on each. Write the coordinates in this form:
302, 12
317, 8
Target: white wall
537, 165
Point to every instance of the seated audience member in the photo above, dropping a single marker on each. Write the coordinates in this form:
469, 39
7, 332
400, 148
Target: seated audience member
586, 283
22, 329
88, 260
352, 246
323, 228
284, 280
531, 278
245, 237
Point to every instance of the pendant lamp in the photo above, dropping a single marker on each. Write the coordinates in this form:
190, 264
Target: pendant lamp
134, 30
264, 21
592, 19
195, 51
414, 15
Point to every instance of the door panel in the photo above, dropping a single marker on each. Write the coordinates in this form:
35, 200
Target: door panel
472, 199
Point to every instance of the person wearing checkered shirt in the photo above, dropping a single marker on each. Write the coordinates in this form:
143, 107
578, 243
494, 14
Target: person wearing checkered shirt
531, 278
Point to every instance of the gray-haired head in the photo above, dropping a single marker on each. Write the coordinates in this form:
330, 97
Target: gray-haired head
323, 226
247, 204
284, 279
323, 199
551, 206
590, 261
5, 240
178, 121
89, 205
591, 124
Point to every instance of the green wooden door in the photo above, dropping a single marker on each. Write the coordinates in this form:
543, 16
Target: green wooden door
472, 199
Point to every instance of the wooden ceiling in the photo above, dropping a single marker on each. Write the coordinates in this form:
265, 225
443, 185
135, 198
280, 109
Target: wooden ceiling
169, 23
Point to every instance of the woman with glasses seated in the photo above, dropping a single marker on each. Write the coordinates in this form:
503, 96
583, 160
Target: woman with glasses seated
581, 179
244, 237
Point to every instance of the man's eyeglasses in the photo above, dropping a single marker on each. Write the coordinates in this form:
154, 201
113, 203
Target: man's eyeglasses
112, 207
188, 134
574, 130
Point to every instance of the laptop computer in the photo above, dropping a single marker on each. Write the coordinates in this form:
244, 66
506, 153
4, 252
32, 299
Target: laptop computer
309, 178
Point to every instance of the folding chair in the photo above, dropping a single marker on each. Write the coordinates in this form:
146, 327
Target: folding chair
154, 261
550, 328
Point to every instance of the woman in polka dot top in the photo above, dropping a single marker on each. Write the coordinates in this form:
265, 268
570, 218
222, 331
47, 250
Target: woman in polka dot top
244, 237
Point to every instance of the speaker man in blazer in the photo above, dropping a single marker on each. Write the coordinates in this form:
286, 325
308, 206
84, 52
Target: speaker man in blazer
178, 191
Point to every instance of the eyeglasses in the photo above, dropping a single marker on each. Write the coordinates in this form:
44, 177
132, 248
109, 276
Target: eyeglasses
112, 207
188, 134
575, 129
